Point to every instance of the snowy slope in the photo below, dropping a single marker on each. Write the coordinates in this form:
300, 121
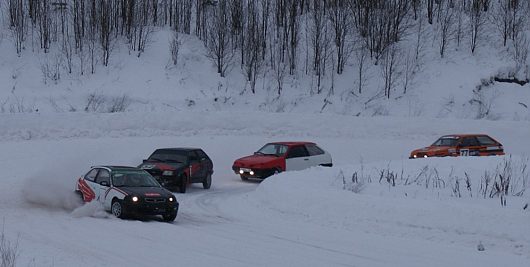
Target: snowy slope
442, 88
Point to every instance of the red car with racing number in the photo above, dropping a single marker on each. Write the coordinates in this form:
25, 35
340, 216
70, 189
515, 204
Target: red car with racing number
460, 145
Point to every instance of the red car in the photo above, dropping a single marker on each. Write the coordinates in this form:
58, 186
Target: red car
277, 157
460, 145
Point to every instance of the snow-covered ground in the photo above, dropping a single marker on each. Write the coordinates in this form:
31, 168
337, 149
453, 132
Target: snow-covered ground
306, 218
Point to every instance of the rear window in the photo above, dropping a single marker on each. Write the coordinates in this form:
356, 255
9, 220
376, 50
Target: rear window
91, 175
314, 150
297, 152
486, 140
470, 141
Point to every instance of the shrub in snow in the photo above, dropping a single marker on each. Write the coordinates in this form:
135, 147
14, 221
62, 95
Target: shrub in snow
480, 247
8, 251
508, 178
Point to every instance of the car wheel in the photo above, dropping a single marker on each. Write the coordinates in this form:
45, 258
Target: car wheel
118, 209
243, 177
169, 217
183, 184
207, 183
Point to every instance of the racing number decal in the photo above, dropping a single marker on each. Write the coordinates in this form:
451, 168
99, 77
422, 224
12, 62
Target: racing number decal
464, 152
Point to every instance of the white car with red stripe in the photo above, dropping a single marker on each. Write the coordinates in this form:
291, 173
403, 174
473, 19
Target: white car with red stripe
127, 191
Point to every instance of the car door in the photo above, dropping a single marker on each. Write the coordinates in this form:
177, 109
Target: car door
194, 165
206, 163
102, 182
469, 146
317, 155
297, 158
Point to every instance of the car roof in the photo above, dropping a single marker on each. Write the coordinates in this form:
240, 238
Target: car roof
464, 135
116, 168
180, 148
292, 143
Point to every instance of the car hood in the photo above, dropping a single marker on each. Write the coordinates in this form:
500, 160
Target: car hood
162, 166
250, 161
146, 191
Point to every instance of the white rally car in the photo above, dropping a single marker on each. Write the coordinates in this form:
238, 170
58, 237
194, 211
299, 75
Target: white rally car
127, 191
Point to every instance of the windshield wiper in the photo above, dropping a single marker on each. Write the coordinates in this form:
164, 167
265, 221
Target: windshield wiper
173, 160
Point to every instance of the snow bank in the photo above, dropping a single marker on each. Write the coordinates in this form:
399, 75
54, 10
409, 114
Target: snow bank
418, 205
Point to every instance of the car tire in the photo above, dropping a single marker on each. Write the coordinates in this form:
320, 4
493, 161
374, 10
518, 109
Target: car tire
169, 217
207, 183
117, 209
243, 177
183, 184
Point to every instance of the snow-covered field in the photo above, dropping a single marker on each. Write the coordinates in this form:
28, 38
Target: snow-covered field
316, 217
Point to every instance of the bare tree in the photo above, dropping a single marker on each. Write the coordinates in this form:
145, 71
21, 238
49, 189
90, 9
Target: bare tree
105, 29
389, 64
445, 26
339, 16
252, 58
319, 36
218, 38
477, 20
361, 56
174, 47
500, 17
17, 23
519, 54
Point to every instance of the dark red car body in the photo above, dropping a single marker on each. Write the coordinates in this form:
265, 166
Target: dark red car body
460, 145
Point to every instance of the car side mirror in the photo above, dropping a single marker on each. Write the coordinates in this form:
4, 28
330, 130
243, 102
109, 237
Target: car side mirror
104, 183
144, 160
256, 153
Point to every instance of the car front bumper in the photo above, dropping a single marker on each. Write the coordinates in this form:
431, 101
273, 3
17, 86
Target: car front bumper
145, 208
253, 172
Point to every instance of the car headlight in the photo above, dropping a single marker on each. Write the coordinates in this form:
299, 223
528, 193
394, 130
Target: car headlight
425, 156
241, 172
171, 199
251, 172
135, 199
167, 173
415, 156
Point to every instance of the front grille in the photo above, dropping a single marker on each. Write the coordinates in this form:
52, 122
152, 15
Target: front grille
155, 200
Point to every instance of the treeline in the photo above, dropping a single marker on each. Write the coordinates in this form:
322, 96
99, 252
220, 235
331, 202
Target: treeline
278, 37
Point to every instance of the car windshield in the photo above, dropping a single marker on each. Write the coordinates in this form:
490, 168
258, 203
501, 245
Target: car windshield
133, 178
273, 149
169, 155
446, 141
